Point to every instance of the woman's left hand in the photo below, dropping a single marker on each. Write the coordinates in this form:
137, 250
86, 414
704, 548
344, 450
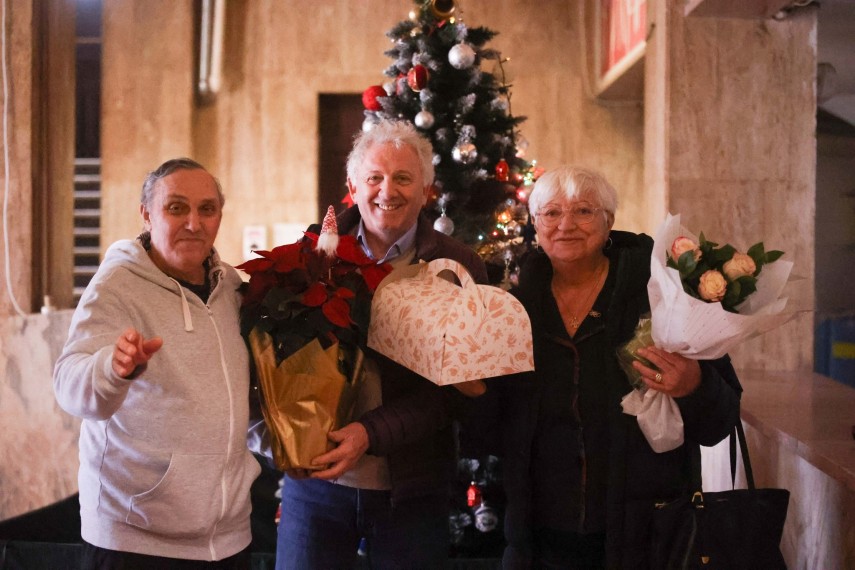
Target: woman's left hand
677, 376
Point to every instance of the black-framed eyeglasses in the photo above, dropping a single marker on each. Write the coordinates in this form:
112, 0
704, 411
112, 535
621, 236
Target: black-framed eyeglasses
551, 216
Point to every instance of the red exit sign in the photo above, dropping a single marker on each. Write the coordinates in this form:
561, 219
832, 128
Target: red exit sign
623, 29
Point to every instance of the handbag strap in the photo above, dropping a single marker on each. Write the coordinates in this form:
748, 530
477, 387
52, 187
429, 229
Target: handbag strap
746, 460
737, 434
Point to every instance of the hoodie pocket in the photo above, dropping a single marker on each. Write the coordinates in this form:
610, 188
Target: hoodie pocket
244, 468
185, 502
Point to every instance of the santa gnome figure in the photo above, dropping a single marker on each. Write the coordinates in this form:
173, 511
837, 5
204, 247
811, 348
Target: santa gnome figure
328, 240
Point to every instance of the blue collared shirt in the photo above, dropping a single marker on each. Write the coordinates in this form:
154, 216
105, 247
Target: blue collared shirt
404, 243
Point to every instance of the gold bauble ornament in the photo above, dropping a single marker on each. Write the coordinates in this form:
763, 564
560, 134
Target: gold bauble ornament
442, 9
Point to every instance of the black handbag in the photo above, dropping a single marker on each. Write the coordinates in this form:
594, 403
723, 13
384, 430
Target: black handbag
735, 529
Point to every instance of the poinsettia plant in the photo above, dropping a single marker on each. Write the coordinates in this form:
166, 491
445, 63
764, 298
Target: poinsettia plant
317, 288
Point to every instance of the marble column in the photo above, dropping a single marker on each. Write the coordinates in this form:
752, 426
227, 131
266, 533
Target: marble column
38, 455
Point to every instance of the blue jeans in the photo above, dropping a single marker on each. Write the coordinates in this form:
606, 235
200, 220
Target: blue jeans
322, 523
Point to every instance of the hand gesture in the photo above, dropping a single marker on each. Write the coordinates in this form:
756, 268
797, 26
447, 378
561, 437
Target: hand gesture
677, 376
352, 442
133, 350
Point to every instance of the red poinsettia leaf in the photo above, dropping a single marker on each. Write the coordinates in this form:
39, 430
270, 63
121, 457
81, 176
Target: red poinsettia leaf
282, 250
349, 250
288, 257
315, 295
264, 253
254, 265
337, 311
374, 274
259, 285
344, 293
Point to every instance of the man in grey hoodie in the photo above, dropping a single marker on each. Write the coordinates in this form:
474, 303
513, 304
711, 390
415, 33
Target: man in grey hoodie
156, 367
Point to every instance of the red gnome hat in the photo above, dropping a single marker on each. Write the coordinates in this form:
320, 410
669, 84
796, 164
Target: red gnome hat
328, 240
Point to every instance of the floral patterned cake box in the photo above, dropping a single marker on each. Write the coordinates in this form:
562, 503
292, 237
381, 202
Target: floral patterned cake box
446, 332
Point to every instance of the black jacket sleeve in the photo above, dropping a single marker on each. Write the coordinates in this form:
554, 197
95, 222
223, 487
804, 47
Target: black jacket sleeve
710, 412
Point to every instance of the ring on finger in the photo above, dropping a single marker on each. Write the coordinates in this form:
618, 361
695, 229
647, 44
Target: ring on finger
658, 378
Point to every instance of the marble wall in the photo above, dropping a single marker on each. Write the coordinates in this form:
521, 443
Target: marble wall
260, 136
730, 146
38, 449
820, 528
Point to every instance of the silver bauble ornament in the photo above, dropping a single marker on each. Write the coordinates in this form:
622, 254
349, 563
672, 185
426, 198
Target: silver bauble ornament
486, 519
424, 119
500, 104
461, 56
444, 224
464, 153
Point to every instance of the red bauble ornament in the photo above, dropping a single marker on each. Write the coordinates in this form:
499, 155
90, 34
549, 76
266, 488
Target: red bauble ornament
502, 171
417, 78
473, 495
370, 95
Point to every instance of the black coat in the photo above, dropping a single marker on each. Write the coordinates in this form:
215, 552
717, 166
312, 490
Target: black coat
603, 477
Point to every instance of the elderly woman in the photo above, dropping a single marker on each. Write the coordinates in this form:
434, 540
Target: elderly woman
156, 368
580, 477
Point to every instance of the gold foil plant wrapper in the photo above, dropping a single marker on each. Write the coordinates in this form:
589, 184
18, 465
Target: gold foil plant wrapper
304, 397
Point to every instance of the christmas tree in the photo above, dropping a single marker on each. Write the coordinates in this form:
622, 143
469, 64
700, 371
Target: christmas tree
452, 87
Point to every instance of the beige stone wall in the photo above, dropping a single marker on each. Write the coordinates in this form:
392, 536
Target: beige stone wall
146, 103
38, 450
19, 109
730, 146
260, 136
40, 122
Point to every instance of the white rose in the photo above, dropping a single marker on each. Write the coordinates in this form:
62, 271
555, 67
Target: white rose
712, 286
683, 244
739, 265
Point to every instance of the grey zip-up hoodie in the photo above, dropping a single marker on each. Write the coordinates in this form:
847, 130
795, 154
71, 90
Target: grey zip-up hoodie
164, 464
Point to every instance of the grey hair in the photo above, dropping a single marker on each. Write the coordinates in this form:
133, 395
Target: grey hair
569, 182
168, 168
398, 133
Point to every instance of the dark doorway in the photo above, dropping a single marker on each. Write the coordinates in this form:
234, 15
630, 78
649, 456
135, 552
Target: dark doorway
88, 78
339, 120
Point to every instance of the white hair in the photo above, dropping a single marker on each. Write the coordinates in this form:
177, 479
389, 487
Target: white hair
569, 182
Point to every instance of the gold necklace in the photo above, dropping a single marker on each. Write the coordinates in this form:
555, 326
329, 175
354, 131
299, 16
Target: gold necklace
574, 321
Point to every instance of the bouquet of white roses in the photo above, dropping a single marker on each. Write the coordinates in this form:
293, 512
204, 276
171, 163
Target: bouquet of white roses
704, 300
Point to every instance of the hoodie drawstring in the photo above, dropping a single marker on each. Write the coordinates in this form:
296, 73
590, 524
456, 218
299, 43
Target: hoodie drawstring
185, 308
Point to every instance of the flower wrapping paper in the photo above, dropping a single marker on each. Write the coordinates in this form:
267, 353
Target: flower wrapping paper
701, 330
696, 329
303, 398
445, 332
